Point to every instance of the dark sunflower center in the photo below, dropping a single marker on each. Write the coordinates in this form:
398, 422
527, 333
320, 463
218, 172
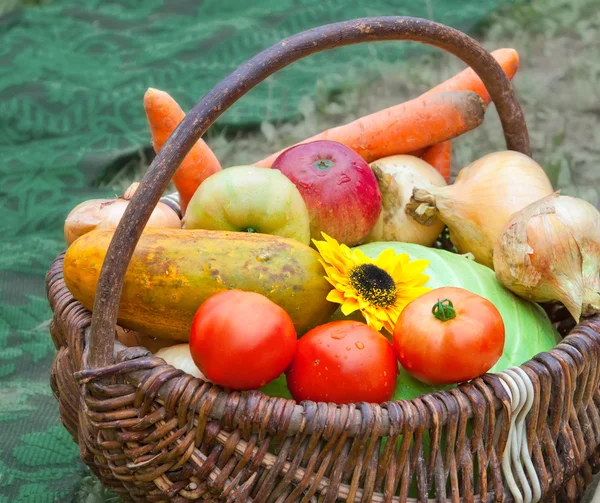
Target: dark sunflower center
373, 284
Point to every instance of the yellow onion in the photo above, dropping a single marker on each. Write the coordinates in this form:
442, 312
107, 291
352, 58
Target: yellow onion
180, 357
550, 251
397, 176
106, 214
481, 201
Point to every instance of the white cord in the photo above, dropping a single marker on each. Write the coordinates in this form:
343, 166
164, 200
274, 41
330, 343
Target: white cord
513, 393
520, 390
525, 456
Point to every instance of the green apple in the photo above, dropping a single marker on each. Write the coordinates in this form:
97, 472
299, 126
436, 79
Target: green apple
249, 199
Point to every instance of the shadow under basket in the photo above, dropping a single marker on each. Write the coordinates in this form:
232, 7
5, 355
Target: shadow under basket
152, 433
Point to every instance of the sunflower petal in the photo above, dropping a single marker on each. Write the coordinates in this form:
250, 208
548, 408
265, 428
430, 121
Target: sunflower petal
389, 327
386, 259
361, 258
412, 293
349, 306
336, 296
372, 321
415, 267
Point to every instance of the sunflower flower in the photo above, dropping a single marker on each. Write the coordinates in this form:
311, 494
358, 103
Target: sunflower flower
379, 288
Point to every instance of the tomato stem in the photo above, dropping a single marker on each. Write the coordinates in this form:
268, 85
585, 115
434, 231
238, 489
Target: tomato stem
443, 310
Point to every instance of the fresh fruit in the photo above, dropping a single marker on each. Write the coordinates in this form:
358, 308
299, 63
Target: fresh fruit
338, 186
242, 340
381, 134
249, 199
343, 362
528, 331
449, 335
172, 272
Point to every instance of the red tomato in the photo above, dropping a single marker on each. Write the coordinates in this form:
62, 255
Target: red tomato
449, 335
343, 362
242, 340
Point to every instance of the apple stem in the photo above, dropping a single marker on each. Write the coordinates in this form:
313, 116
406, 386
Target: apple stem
323, 164
250, 229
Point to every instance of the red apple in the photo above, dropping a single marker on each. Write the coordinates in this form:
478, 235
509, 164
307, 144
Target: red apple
338, 187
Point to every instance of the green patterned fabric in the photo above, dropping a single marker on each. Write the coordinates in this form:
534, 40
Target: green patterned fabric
72, 77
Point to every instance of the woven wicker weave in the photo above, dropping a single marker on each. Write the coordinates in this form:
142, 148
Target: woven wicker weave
154, 433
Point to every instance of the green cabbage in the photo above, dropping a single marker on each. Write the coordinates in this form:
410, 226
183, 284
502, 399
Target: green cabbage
528, 329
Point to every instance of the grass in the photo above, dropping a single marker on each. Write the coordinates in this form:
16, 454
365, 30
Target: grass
9, 5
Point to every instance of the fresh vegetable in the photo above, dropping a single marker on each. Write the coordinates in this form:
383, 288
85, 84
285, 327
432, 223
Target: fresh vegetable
481, 201
550, 251
468, 80
172, 272
249, 199
131, 339
397, 176
378, 287
339, 189
440, 156
449, 335
180, 357
528, 329
164, 115
343, 362
242, 340
107, 213
422, 122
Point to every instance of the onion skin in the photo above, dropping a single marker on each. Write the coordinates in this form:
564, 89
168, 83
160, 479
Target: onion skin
131, 339
180, 357
550, 251
106, 214
397, 176
171, 351
482, 200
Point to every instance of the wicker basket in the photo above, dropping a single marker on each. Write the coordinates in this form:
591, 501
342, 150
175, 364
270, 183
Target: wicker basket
152, 433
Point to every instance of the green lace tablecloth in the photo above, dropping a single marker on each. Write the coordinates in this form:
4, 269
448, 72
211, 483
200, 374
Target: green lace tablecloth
72, 77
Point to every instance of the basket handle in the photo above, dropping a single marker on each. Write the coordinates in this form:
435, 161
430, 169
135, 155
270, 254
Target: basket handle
238, 83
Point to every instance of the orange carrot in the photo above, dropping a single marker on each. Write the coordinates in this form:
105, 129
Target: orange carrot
468, 80
422, 122
364, 141
418, 153
439, 156
164, 115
